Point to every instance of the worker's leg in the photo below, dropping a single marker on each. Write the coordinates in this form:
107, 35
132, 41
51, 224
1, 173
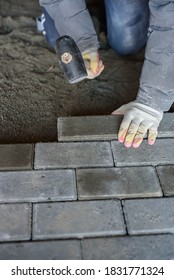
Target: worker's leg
50, 31
127, 25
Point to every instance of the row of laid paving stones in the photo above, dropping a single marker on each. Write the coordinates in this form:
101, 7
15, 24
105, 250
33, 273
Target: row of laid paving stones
80, 219
90, 128
148, 247
99, 154
54, 155
84, 154
97, 183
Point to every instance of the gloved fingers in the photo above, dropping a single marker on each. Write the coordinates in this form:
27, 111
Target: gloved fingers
87, 64
152, 134
91, 74
131, 132
94, 60
124, 128
141, 132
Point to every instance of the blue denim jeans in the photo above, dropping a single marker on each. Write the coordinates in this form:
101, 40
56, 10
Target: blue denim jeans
51, 32
127, 25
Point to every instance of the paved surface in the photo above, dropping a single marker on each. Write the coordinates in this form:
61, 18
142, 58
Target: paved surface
90, 199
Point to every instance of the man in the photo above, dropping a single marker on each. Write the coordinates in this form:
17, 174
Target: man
127, 26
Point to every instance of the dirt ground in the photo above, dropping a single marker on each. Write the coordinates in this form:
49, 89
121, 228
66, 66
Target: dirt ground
34, 92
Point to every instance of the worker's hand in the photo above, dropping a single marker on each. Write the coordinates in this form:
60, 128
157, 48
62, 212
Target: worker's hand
94, 65
138, 120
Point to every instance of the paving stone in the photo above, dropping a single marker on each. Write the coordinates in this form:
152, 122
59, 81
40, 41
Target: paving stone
160, 153
89, 128
150, 215
152, 247
166, 127
47, 250
14, 222
73, 155
166, 176
77, 219
37, 186
16, 156
101, 183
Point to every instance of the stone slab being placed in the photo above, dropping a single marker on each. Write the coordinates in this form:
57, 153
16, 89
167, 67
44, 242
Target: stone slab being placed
91, 128
166, 176
32, 186
152, 247
73, 155
158, 154
149, 216
103, 183
16, 156
46, 250
77, 219
88, 128
15, 222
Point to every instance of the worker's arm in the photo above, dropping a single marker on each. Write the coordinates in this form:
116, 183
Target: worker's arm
156, 91
157, 78
71, 17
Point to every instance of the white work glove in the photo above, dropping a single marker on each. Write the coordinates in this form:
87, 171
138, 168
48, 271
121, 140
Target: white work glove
138, 120
94, 65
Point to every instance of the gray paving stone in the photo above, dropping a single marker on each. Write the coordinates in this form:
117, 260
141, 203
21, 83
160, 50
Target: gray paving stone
37, 186
73, 155
160, 153
123, 182
152, 247
16, 156
166, 176
46, 250
150, 215
166, 127
90, 128
14, 222
77, 219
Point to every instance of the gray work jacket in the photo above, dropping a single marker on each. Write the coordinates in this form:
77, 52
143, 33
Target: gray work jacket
157, 78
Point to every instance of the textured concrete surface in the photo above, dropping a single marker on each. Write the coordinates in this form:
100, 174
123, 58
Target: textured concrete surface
37, 186
166, 176
74, 204
13, 157
15, 222
46, 250
150, 247
160, 153
77, 219
117, 183
73, 155
149, 215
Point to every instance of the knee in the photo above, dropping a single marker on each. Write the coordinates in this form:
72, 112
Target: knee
127, 25
125, 43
